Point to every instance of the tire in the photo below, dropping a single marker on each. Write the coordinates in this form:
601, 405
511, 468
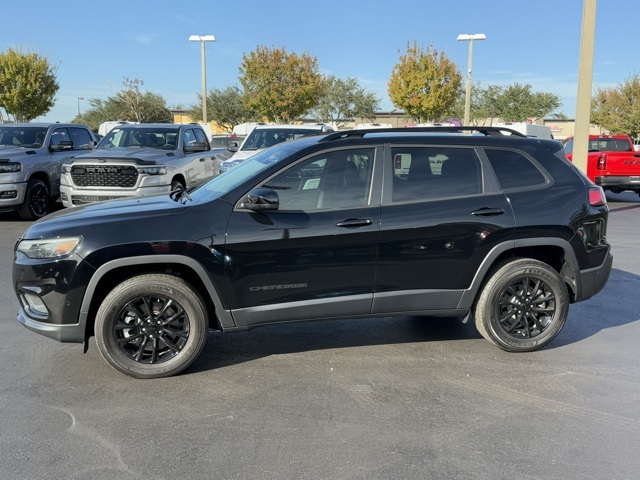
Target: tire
523, 306
176, 185
36, 200
151, 326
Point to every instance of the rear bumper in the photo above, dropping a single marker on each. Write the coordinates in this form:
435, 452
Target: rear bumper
619, 182
594, 279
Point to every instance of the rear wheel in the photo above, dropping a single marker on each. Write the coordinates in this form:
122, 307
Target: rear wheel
151, 326
36, 200
523, 306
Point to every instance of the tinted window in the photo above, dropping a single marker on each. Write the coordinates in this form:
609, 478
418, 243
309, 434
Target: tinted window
60, 135
201, 137
80, 138
513, 169
266, 137
427, 173
332, 180
568, 146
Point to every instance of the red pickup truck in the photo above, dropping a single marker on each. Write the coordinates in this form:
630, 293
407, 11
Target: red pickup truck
613, 163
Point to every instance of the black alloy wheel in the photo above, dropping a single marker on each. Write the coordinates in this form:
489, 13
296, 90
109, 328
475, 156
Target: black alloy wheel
36, 202
523, 305
151, 326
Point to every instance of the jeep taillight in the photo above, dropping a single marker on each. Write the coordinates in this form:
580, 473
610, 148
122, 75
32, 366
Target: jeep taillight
602, 163
596, 196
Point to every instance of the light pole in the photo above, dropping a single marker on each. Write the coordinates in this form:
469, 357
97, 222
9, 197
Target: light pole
202, 39
79, 98
467, 99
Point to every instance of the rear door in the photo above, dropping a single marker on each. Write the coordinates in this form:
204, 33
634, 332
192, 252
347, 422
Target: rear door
315, 256
440, 217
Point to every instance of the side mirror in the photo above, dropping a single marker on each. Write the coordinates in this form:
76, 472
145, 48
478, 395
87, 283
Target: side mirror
63, 145
233, 146
196, 147
261, 199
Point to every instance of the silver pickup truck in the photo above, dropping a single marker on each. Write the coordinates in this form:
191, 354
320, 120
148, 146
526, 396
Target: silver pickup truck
138, 160
31, 158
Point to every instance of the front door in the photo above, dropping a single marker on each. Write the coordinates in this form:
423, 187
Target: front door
315, 256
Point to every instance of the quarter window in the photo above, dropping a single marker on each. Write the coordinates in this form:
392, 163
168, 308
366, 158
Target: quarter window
332, 180
513, 169
427, 173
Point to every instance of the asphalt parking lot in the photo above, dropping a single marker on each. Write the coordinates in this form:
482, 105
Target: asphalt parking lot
405, 398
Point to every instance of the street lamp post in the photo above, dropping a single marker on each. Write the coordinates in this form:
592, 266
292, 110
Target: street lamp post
79, 98
467, 99
202, 39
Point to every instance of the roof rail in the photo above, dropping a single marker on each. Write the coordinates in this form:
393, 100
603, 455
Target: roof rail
488, 131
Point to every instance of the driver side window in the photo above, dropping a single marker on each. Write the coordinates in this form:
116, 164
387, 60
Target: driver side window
331, 180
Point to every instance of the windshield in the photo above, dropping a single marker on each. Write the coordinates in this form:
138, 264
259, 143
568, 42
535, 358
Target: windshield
261, 138
163, 138
25, 137
235, 177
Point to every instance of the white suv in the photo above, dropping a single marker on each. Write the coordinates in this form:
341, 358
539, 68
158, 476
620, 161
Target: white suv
265, 136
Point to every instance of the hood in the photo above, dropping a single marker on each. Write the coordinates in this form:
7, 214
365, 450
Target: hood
13, 153
145, 154
112, 214
243, 154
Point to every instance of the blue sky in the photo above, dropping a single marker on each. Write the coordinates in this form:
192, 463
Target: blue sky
96, 44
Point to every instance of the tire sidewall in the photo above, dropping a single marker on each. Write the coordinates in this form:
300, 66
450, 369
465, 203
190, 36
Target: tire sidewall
509, 274
146, 285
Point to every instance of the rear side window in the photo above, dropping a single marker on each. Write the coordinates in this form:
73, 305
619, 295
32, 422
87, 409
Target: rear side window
428, 173
513, 169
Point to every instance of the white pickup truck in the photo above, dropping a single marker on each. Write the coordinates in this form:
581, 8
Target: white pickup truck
31, 159
139, 160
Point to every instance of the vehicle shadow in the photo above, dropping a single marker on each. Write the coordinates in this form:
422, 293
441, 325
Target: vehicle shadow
616, 305
224, 350
586, 319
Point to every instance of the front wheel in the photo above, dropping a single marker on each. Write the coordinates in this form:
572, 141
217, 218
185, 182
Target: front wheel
36, 200
151, 326
523, 306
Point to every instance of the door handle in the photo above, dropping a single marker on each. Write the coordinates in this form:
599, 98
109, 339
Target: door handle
202, 159
487, 212
355, 222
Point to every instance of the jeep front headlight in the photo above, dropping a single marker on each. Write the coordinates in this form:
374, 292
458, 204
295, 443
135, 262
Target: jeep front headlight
49, 247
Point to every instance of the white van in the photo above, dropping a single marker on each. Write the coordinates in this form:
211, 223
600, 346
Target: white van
528, 129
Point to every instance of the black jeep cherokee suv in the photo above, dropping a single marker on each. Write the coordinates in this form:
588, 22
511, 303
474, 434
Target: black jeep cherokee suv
445, 221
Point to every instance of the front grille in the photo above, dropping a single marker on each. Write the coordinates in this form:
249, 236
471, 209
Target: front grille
104, 176
84, 199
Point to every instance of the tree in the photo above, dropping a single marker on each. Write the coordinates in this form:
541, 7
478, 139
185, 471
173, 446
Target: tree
280, 86
225, 107
27, 85
130, 103
617, 109
343, 100
517, 103
424, 83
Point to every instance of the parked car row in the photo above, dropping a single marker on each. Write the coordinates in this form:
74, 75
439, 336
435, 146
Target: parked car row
40, 163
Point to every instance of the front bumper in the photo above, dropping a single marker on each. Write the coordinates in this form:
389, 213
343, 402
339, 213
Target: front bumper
12, 195
50, 293
71, 196
62, 333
